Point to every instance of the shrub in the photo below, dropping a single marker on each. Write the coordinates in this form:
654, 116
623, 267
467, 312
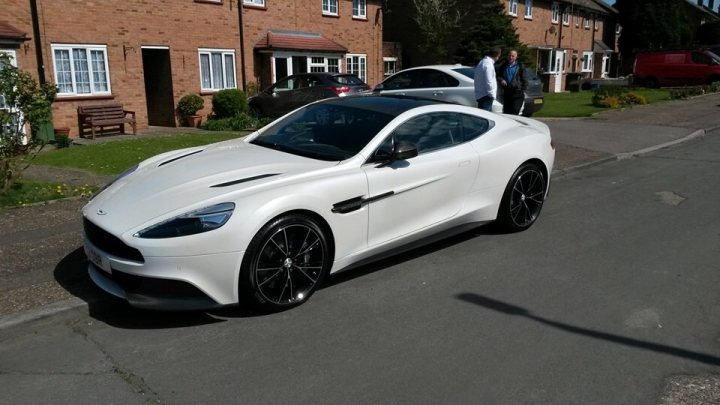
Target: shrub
190, 104
237, 123
34, 101
686, 92
632, 98
608, 102
229, 103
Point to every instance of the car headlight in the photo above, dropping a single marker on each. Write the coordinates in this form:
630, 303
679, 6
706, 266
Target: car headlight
198, 221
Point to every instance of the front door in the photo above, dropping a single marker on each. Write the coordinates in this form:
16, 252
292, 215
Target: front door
158, 86
410, 195
559, 68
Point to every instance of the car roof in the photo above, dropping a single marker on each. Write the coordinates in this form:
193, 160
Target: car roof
383, 103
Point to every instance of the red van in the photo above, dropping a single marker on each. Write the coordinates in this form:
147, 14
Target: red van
676, 68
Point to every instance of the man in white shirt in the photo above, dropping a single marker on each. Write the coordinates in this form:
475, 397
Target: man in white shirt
485, 80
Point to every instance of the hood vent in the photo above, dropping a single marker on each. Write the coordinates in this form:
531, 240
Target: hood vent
179, 157
245, 180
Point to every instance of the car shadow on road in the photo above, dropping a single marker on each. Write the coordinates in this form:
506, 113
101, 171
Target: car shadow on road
514, 310
71, 273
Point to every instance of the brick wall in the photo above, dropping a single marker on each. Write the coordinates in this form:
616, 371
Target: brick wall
182, 26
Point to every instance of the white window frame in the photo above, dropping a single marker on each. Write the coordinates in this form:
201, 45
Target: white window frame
513, 7
256, 3
552, 66
566, 17
359, 9
223, 53
361, 71
326, 65
392, 71
528, 9
330, 7
555, 7
91, 73
587, 62
586, 23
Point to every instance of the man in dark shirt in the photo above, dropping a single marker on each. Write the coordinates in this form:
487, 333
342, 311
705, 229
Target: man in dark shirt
511, 76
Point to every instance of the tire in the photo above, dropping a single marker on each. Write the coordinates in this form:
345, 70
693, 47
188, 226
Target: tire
285, 263
523, 199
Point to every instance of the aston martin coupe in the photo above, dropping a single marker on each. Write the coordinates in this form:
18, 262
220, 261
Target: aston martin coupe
324, 188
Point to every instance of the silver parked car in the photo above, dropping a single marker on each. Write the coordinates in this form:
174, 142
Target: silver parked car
453, 83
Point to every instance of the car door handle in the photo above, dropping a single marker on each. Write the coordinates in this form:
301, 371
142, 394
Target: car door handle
438, 93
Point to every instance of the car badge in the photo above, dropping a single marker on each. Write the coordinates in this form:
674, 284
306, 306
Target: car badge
101, 212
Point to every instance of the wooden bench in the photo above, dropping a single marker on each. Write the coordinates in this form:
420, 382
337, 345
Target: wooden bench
104, 115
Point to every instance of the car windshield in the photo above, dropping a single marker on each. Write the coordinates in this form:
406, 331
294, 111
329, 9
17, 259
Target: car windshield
466, 71
324, 131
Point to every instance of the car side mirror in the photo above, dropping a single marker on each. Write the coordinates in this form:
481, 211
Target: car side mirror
403, 150
379, 87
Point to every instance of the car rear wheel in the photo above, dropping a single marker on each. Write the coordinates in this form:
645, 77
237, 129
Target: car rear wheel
285, 263
523, 199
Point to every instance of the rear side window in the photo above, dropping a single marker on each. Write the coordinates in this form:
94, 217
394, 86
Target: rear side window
347, 79
466, 71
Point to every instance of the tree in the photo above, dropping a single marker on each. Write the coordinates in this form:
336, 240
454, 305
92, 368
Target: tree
437, 20
491, 27
30, 104
653, 24
708, 33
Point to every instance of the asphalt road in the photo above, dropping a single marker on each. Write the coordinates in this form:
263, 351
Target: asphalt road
610, 298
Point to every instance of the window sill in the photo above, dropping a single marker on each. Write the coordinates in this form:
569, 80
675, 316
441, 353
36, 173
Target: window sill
62, 98
528, 18
330, 15
215, 2
255, 7
359, 18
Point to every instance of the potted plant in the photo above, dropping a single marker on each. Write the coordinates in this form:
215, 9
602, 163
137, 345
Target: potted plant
187, 109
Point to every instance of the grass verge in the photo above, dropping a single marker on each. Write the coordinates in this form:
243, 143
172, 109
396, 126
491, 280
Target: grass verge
27, 192
579, 104
116, 156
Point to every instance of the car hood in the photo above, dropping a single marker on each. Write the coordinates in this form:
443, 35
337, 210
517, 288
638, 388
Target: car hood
175, 183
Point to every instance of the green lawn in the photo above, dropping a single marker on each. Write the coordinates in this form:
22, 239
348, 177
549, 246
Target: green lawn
579, 104
26, 192
114, 157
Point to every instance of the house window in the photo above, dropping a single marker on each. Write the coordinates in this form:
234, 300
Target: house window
330, 7
587, 62
566, 17
528, 9
586, 23
217, 69
389, 66
596, 24
317, 64
512, 7
81, 69
551, 60
259, 3
356, 64
333, 65
359, 9
555, 12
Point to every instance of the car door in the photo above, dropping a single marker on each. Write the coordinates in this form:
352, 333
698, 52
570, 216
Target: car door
280, 100
409, 195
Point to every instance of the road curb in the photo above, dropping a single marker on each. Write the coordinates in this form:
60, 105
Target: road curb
34, 314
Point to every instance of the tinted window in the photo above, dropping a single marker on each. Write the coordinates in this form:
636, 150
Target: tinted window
430, 132
466, 71
436, 78
701, 58
399, 81
347, 79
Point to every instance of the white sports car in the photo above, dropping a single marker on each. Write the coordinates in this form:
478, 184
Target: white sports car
322, 189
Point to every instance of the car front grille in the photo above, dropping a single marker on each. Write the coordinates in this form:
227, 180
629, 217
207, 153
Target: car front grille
109, 243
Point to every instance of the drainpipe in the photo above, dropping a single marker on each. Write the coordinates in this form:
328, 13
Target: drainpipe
38, 41
242, 44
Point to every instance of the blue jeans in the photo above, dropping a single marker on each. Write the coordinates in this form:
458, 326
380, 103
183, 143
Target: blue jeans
485, 103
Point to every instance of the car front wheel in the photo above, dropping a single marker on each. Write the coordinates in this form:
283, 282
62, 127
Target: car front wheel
285, 263
523, 199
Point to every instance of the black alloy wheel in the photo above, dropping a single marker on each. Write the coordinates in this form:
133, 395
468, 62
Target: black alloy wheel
285, 263
523, 199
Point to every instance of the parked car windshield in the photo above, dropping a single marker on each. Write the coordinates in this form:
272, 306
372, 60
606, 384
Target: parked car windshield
324, 131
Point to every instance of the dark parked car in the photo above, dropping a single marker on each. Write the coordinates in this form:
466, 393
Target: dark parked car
297, 90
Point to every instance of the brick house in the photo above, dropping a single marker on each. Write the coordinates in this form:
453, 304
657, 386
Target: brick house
146, 54
568, 38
